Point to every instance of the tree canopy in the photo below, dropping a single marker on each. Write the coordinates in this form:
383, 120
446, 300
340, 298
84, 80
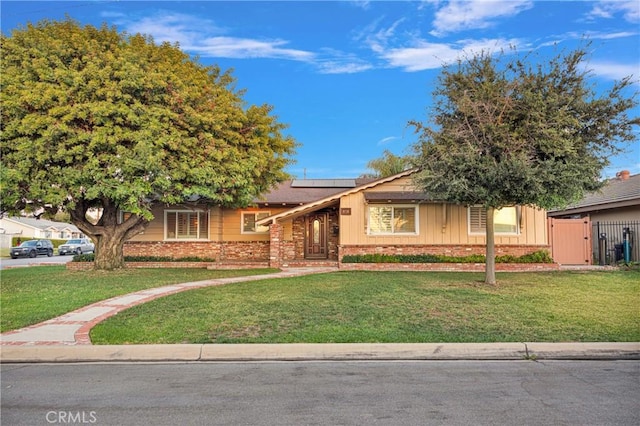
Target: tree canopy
505, 131
94, 118
387, 165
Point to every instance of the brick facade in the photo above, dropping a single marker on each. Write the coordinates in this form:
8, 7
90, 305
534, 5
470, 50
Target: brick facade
230, 251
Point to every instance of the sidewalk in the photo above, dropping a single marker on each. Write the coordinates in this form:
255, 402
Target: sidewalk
322, 352
66, 339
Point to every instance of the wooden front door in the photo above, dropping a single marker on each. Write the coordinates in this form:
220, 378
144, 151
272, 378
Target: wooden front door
316, 236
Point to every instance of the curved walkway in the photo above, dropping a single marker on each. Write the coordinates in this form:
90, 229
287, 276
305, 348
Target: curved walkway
73, 328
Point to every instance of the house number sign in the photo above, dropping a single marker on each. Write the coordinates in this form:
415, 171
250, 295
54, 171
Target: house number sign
345, 211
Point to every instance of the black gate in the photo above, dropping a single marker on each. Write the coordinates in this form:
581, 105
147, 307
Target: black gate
615, 242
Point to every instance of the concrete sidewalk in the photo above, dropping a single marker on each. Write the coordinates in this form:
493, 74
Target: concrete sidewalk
321, 352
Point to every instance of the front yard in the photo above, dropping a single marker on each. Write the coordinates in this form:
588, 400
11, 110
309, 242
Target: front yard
339, 307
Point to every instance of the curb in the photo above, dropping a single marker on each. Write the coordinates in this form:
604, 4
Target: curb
321, 352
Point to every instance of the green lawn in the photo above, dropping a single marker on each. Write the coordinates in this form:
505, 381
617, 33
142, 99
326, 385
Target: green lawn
391, 307
32, 295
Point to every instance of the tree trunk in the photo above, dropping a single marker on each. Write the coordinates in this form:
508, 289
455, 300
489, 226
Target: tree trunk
490, 266
109, 252
107, 234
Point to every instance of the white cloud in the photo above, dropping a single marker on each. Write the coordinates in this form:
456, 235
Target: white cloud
338, 67
608, 9
386, 140
233, 47
425, 55
459, 15
331, 61
205, 38
173, 27
615, 71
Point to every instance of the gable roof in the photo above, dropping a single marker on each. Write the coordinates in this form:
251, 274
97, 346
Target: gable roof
617, 192
330, 199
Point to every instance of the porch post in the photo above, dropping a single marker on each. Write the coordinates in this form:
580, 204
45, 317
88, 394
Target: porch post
275, 251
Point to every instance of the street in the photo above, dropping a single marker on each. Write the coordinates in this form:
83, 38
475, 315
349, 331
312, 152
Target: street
7, 262
324, 393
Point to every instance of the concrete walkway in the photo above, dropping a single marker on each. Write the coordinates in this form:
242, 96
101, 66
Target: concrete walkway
66, 339
73, 328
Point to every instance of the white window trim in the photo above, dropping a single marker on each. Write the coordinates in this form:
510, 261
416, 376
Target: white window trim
204, 212
470, 232
416, 209
256, 213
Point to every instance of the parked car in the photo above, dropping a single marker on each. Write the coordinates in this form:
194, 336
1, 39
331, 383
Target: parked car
76, 246
32, 248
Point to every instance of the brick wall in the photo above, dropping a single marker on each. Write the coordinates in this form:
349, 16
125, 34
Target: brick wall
220, 251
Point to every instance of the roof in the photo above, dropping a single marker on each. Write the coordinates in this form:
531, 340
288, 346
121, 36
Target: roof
389, 196
42, 223
303, 191
331, 199
617, 192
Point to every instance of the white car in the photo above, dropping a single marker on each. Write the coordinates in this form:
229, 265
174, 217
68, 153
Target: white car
76, 246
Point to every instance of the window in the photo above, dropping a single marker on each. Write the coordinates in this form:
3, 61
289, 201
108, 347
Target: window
186, 225
249, 220
393, 220
505, 220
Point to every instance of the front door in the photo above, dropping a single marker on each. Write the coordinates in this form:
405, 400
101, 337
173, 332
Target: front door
316, 236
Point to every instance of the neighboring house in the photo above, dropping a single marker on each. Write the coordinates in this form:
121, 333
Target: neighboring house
618, 200
612, 217
28, 227
318, 221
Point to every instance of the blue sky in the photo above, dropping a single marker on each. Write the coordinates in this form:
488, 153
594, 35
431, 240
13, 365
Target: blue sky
347, 76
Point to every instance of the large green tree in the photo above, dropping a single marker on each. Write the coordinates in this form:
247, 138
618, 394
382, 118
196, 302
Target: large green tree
97, 119
507, 130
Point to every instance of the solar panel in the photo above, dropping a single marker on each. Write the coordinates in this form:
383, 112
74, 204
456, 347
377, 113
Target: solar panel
323, 183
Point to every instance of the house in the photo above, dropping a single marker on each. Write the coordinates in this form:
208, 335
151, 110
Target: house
618, 200
29, 227
319, 221
612, 216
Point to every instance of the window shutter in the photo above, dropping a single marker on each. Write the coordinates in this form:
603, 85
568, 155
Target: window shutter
477, 219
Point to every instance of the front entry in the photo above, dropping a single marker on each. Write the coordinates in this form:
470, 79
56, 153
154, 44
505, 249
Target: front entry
316, 236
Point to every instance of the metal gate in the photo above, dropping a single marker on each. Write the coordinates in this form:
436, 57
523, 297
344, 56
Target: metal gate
615, 241
570, 241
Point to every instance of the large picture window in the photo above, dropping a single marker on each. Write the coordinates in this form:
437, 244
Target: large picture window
186, 225
505, 220
390, 219
249, 220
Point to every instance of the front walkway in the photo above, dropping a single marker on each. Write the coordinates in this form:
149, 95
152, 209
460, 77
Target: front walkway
73, 328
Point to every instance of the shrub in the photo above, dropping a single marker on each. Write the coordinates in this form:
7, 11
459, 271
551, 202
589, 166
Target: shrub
536, 257
90, 258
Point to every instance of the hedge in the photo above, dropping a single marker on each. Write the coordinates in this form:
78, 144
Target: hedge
90, 258
541, 256
56, 243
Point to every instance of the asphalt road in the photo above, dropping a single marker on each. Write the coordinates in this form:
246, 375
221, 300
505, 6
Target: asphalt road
7, 262
324, 393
